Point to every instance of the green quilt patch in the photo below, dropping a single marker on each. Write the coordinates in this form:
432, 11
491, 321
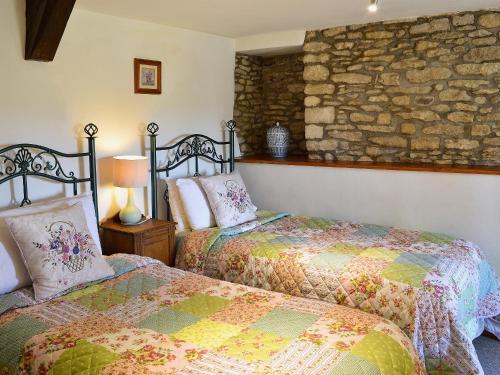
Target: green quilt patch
330, 261
14, 335
168, 321
352, 364
437, 238
102, 300
138, 285
410, 274
285, 323
268, 250
385, 352
84, 358
201, 305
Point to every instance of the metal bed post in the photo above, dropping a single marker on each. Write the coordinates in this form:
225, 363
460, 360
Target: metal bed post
231, 124
91, 130
152, 130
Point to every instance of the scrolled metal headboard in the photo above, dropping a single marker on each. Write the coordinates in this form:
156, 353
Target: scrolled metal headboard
192, 146
26, 159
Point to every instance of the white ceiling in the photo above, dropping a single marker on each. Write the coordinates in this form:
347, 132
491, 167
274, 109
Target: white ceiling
237, 18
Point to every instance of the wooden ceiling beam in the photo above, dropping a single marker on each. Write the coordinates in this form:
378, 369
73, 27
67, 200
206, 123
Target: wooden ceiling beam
45, 24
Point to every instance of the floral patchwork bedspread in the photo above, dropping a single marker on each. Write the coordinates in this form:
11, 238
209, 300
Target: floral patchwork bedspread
440, 290
154, 319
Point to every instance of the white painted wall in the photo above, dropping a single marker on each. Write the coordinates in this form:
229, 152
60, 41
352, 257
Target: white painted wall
91, 80
462, 205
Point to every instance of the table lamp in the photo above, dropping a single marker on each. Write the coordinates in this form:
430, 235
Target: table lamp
130, 172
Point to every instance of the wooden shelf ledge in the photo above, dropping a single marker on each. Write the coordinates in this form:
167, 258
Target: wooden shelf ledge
303, 160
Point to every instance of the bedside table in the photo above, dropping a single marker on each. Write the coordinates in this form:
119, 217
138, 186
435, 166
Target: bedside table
154, 239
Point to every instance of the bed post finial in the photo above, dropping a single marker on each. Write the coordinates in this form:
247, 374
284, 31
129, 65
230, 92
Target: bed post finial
231, 125
153, 130
91, 130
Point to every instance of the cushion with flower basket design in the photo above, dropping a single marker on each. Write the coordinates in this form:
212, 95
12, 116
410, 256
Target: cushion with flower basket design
229, 199
58, 250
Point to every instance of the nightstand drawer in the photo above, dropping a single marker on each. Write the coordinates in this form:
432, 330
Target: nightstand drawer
157, 250
154, 239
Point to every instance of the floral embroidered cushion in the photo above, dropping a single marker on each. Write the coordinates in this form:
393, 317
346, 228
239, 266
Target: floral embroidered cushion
58, 249
229, 199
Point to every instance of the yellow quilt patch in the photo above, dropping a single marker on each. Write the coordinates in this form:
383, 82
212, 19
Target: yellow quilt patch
386, 353
253, 345
380, 253
207, 333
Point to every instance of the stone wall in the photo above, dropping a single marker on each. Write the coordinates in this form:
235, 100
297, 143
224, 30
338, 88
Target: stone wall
283, 94
425, 90
248, 103
269, 89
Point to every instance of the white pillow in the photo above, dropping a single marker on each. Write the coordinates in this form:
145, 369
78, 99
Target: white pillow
13, 272
176, 207
58, 249
229, 199
195, 203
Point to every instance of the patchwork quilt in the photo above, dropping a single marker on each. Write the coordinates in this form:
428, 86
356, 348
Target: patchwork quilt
440, 290
150, 318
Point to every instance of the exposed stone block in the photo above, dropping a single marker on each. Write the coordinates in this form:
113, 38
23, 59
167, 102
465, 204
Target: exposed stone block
320, 115
461, 144
481, 54
461, 117
425, 143
316, 46
361, 117
428, 74
490, 21
390, 141
314, 131
353, 78
480, 130
485, 69
462, 20
316, 73
319, 89
454, 95
444, 129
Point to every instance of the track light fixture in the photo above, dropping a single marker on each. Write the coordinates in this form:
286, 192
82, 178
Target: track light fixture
373, 7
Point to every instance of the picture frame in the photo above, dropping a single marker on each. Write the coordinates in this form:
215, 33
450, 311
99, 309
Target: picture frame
147, 76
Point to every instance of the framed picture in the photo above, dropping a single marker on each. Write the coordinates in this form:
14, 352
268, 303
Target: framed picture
147, 76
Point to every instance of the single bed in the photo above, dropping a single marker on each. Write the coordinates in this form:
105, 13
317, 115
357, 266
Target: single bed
145, 317
151, 318
440, 290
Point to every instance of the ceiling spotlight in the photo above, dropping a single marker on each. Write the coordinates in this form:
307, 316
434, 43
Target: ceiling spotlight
373, 7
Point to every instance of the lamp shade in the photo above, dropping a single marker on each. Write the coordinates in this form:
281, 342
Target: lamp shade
130, 171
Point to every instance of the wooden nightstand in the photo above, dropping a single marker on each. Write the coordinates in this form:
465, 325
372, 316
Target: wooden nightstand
154, 239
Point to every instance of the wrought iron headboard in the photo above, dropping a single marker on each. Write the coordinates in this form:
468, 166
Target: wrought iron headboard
192, 146
26, 159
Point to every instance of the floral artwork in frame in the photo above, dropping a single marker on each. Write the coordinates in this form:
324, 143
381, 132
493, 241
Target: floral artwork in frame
147, 76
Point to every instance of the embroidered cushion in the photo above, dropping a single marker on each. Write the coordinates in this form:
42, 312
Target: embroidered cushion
229, 199
176, 206
13, 272
58, 249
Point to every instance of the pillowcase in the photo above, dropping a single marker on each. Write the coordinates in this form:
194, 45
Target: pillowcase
195, 203
176, 207
13, 272
58, 249
229, 199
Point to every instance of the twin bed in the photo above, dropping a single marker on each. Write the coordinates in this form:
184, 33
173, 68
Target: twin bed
150, 318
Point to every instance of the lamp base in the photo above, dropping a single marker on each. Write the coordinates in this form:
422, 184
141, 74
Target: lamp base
130, 214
